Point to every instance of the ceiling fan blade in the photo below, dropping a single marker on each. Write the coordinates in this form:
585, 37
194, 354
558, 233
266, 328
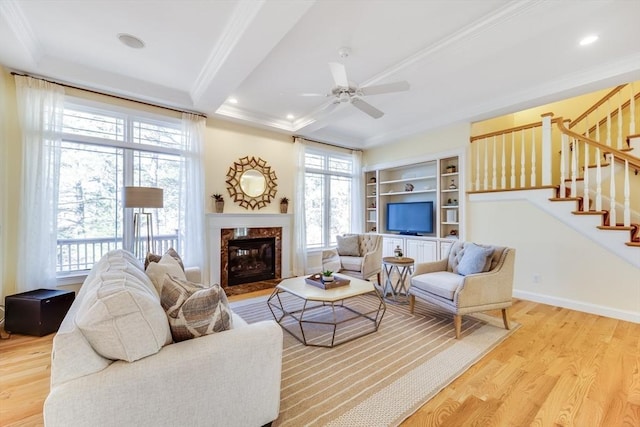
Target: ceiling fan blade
313, 94
367, 108
339, 74
384, 88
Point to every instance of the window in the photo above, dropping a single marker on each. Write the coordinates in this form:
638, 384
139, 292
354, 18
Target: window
102, 151
328, 181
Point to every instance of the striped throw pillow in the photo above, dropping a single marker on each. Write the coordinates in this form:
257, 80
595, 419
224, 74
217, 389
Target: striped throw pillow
193, 309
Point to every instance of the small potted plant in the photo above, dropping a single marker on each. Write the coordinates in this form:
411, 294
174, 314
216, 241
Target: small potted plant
327, 276
284, 205
219, 201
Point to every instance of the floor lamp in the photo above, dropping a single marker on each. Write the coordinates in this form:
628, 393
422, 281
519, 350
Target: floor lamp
142, 197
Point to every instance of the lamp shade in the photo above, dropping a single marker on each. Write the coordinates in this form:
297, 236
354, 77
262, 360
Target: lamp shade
143, 197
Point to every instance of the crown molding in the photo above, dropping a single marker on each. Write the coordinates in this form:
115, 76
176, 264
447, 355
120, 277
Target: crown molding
20, 27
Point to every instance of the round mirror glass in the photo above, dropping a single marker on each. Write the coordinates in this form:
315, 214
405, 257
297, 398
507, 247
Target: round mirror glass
253, 183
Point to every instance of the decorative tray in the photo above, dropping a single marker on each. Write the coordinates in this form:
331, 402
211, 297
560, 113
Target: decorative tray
316, 280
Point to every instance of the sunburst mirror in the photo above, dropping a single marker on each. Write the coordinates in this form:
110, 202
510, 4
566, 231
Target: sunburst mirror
251, 183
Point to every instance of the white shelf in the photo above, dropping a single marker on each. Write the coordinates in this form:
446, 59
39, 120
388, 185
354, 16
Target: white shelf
450, 174
449, 191
449, 207
417, 178
400, 193
450, 223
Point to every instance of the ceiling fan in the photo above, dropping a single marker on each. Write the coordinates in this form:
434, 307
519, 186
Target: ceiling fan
344, 92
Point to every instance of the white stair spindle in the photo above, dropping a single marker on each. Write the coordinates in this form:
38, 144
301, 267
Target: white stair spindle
486, 166
609, 122
619, 144
612, 191
632, 111
585, 177
522, 161
546, 161
627, 201
563, 147
503, 176
478, 164
574, 158
597, 138
598, 181
493, 165
533, 156
513, 161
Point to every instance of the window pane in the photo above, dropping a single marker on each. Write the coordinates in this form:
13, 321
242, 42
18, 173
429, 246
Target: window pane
162, 171
340, 165
89, 205
93, 124
314, 209
159, 135
314, 161
340, 214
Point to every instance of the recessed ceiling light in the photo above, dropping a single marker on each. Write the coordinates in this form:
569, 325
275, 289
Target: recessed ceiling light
233, 101
290, 116
131, 41
588, 40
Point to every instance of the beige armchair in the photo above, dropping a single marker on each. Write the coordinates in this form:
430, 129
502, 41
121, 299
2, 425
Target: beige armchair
357, 255
441, 284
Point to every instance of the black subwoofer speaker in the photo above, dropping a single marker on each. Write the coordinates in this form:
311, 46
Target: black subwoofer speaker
38, 312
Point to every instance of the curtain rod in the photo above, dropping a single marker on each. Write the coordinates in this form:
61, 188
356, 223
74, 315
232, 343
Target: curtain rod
293, 138
13, 73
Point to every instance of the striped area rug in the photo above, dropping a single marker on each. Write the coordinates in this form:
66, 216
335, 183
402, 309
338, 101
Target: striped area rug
378, 379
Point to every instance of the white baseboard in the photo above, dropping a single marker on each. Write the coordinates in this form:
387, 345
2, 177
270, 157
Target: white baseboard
629, 316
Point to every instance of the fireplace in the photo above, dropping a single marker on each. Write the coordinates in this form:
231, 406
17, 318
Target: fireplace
251, 260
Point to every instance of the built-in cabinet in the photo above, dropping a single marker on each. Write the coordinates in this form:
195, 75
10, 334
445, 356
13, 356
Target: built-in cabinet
437, 180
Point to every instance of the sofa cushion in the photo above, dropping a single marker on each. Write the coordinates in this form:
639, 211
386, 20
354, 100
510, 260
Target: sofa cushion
441, 283
120, 313
157, 271
475, 259
352, 263
156, 258
193, 309
348, 245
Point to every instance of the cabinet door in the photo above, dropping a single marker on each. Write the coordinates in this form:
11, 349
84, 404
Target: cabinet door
444, 248
422, 250
390, 243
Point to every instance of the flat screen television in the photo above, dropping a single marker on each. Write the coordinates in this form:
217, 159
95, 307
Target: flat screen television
410, 218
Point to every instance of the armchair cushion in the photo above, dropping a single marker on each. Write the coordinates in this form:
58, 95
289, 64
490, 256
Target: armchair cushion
441, 283
348, 245
475, 259
351, 263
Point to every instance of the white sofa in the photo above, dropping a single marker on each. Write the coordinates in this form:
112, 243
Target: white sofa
230, 378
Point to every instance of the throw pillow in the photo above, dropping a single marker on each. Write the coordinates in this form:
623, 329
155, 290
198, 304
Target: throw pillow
475, 259
348, 246
156, 258
158, 270
193, 309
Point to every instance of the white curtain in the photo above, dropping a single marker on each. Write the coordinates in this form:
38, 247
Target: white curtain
357, 195
192, 222
299, 220
40, 113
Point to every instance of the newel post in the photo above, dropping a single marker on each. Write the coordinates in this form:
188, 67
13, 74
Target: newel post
546, 160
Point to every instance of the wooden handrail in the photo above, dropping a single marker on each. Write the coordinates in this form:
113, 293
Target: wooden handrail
618, 155
595, 106
513, 129
613, 113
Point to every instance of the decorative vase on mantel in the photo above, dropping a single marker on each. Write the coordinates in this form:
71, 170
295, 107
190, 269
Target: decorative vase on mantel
219, 202
284, 205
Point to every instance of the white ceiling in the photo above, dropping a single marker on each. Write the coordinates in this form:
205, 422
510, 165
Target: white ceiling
465, 60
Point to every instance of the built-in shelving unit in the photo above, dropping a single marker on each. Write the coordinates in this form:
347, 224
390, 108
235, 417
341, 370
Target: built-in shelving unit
438, 180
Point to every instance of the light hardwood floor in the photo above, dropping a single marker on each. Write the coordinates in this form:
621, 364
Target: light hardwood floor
561, 368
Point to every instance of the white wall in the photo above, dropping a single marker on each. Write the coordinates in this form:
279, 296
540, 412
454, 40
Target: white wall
555, 264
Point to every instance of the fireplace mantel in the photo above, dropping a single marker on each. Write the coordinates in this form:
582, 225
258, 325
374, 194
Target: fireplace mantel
217, 221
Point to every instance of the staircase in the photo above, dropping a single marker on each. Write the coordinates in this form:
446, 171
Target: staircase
586, 172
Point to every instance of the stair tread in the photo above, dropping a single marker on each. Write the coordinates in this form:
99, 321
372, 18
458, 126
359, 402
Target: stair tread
561, 199
590, 212
569, 179
615, 227
602, 165
633, 244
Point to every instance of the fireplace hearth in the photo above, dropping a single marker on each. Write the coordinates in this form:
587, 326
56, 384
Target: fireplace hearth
251, 260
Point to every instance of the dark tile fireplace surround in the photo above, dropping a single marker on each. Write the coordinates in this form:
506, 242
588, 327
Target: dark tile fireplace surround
250, 258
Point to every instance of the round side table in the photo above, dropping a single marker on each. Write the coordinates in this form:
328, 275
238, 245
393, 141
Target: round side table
401, 265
